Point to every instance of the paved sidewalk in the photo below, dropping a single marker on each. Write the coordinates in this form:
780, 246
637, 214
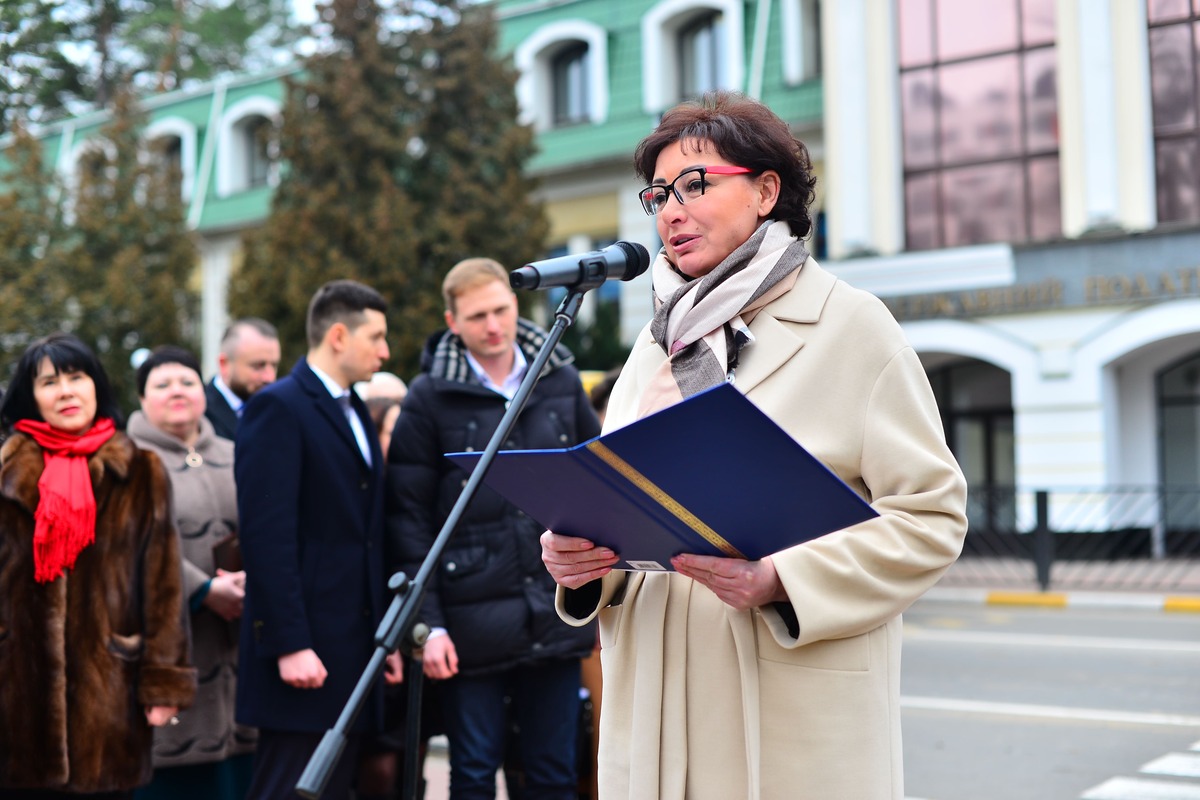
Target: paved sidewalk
1168, 584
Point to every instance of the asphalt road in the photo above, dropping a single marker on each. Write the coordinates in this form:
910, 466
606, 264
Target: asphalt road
1050, 704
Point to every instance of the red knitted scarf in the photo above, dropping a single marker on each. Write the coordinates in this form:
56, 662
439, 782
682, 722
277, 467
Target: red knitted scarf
65, 519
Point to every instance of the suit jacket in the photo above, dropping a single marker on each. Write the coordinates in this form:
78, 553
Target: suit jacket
310, 513
224, 419
806, 707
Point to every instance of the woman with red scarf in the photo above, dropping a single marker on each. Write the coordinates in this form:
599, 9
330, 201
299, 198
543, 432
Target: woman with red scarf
93, 633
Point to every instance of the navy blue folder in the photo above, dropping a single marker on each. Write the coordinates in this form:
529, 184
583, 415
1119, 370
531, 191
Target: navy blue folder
712, 475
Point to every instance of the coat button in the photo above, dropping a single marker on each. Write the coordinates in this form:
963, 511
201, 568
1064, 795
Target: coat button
451, 566
364, 485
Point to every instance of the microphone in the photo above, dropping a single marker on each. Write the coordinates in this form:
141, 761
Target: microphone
622, 260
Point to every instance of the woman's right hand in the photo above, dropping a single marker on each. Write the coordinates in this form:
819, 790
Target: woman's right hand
225, 594
573, 561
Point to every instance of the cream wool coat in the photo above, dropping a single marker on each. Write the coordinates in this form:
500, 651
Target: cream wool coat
702, 701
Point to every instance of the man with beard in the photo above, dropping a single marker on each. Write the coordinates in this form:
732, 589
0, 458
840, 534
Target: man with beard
248, 361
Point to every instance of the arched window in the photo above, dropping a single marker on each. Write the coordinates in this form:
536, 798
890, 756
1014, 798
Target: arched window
255, 139
90, 172
563, 75
701, 56
801, 40
569, 74
171, 142
247, 151
690, 47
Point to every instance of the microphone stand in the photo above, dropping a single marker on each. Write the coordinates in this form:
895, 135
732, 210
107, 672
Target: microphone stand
398, 621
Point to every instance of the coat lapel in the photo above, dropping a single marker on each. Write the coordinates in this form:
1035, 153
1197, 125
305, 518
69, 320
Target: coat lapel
326, 406
776, 341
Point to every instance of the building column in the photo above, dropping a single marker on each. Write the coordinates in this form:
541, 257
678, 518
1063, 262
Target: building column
216, 265
1105, 127
863, 163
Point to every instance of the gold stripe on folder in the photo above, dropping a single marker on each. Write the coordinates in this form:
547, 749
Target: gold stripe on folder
663, 499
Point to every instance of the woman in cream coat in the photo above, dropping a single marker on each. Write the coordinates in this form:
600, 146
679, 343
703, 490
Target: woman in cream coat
776, 678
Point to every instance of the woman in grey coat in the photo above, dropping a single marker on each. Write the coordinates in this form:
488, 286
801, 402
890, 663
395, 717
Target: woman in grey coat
206, 755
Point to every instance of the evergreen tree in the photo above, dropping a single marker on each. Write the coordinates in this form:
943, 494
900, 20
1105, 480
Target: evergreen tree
338, 211
129, 257
116, 273
31, 234
404, 156
37, 78
58, 57
469, 156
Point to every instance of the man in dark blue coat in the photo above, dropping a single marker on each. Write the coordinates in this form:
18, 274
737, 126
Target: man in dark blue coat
497, 642
310, 503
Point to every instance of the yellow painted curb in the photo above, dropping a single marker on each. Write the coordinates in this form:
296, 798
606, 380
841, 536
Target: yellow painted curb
1184, 604
1048, 599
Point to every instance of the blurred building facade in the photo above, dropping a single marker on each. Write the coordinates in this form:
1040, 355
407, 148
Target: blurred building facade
1019, 180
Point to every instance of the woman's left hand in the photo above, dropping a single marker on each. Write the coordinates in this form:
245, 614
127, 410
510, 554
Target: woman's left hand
158, 716
740, 584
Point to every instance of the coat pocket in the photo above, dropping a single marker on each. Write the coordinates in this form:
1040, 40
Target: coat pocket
852, 654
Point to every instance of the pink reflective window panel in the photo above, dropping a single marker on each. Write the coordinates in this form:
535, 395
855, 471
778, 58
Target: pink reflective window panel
916, 32
984, 203
975, 27
920, 200
1041, 100
1045, 200
1178, 168
919, 108
1038, 22
1166, 10
1172, 78
980, 111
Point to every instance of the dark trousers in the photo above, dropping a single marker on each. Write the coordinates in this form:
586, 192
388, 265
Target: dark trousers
545, 711
280, 759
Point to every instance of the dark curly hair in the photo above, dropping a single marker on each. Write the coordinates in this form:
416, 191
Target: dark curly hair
746, 133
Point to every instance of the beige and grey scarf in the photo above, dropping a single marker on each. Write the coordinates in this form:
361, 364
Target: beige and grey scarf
703, 323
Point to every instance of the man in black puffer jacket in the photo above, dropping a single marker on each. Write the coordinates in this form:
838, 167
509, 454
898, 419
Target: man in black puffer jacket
490, 603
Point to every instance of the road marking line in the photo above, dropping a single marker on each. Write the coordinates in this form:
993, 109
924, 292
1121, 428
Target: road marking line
1186, 604
1047, 599
1049, 712
1179, 765
1141, 789
918, 633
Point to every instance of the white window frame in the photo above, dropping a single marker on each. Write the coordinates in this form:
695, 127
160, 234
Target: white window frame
185, 132
534, 59
233, 163
801, 37
660, 48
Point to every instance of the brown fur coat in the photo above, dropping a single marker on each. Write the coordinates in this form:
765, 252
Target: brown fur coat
82, 656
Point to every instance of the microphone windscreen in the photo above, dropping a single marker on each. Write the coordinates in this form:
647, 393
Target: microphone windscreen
637, 259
